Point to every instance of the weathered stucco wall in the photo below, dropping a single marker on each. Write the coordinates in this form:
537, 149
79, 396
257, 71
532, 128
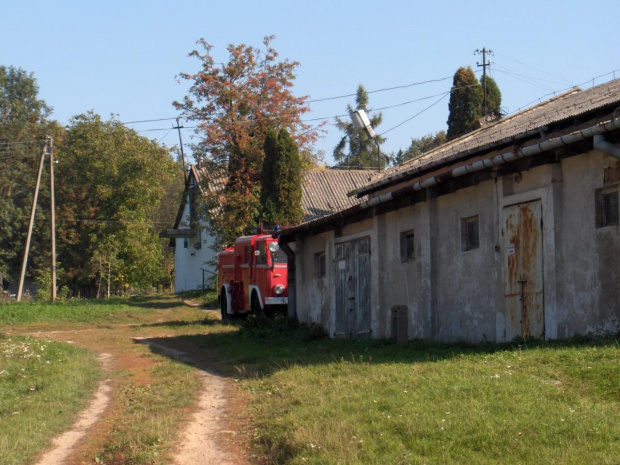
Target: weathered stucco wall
591, 254
453, 294
465, 304
406, 282
313, 291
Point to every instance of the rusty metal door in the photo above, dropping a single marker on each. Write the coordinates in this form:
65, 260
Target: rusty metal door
523, 271
352, 263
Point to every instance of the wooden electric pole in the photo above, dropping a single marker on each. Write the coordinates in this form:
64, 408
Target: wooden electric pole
20, 289
484, 65
179, 127
50, 143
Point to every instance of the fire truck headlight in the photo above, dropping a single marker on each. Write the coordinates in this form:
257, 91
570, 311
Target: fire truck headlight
279, 289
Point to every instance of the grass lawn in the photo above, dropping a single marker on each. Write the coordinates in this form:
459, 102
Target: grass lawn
312, 400
43, 384
337, 402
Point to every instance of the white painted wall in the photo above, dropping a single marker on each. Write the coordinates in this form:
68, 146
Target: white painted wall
190, 260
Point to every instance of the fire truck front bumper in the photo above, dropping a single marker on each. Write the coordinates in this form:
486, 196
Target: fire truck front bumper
276, 301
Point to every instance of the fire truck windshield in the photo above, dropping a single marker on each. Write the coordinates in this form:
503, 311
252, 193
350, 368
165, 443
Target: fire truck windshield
278, 257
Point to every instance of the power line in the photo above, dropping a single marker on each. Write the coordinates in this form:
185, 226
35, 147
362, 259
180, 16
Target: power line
386, 89
537, 69
164, 136
95, 221
416, 115
148, 120
380, 90
522, 79
508, 70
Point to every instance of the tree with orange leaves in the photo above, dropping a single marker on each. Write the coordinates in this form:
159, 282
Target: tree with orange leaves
235, 104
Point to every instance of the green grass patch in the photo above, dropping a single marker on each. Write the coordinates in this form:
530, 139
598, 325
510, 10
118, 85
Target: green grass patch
207, 298
117, 310
152, 415
43, 385
325, 401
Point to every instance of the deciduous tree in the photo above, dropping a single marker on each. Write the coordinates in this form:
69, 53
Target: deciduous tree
235, 103
23, 125
111, 185
420, 146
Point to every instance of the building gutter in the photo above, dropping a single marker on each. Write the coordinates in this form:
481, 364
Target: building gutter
607, 148
594, 132
393, 178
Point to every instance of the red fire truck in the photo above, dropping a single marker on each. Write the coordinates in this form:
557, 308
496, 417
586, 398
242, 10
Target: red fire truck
252, 276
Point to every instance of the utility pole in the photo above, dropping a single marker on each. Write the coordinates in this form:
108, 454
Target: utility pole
50, 141
484, 65
179, 127
32, 213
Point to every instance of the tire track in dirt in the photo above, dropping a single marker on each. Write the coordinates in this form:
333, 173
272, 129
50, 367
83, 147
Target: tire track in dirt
204, 439
65, 443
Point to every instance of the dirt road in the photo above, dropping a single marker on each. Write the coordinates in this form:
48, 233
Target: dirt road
213, 432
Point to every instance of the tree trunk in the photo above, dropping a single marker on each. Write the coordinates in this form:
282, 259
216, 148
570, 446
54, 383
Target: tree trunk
109, 276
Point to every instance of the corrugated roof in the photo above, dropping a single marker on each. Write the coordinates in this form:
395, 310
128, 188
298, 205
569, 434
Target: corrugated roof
325, 191
210, 176
567, 105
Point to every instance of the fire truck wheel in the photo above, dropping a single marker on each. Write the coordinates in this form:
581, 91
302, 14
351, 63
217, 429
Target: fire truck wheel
224, 306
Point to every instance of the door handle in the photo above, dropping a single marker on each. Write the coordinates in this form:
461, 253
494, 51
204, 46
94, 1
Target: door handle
522, 282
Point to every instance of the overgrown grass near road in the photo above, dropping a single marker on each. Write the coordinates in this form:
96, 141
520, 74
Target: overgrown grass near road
115, 310
39, 400
320, 401
335, 402
151, 415
43, 384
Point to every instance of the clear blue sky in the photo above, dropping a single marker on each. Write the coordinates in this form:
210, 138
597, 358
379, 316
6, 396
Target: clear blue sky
123, 57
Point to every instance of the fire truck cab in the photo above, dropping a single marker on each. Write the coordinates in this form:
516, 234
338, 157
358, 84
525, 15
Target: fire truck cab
252, 276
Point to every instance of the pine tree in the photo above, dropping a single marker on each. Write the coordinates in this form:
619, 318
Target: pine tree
465, 103
281, 190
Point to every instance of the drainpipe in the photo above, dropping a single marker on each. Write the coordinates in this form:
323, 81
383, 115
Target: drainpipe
606, 147
594, 132
290, 272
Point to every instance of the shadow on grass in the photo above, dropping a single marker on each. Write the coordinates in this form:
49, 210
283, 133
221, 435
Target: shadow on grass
182, 323
255, 350
155, 302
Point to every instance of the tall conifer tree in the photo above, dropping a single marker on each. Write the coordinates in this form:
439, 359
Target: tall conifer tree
465, 103
494, 96
281, 189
